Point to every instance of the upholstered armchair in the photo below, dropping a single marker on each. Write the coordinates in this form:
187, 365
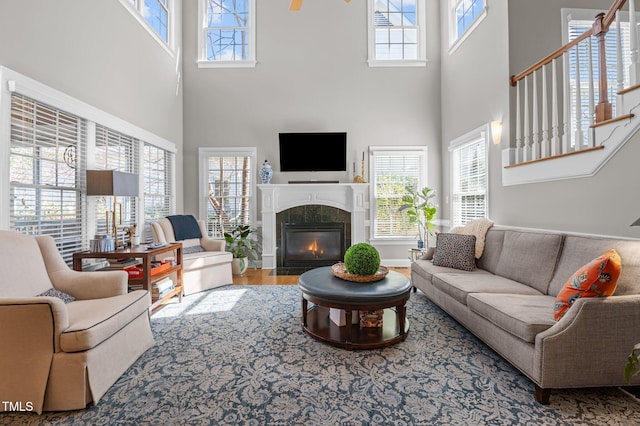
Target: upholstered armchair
60, 354
205, 262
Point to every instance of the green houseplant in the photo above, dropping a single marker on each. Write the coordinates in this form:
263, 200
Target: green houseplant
420, 209
242, 247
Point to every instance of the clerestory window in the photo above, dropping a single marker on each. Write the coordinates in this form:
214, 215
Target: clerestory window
464, 17
156, 16
397, 32
226, 33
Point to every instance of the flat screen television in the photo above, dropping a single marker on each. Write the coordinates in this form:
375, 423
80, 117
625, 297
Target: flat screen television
313, 152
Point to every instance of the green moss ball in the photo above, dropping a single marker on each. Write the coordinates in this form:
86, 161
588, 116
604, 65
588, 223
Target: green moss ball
362, 259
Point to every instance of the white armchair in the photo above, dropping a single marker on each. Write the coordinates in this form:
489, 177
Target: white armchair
205, 262
58, 356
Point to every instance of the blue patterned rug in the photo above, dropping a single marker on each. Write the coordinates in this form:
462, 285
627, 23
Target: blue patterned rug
238, 355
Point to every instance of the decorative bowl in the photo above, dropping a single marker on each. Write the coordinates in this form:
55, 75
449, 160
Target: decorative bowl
340, 271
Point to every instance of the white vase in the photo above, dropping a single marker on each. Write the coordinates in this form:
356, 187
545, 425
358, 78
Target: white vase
239, 265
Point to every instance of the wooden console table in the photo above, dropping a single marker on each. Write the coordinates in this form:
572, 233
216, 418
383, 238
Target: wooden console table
146, 254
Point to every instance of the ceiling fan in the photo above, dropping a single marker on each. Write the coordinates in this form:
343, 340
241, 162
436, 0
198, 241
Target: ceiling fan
296, 4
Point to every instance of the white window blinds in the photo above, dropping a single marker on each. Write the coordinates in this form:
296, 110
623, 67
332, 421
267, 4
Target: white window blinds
469, 181
393, 172
158, 195
46, 168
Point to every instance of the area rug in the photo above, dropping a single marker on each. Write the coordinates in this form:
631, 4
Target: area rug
238, 355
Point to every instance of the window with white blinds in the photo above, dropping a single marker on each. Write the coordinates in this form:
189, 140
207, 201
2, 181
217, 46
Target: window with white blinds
469, 179
229, 188
115, 151
46, 169
158, 196
577, 23
394, 170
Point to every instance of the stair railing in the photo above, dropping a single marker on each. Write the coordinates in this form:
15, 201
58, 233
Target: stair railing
556, 110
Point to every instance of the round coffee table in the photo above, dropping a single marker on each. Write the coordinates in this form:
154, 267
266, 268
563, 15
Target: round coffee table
320, 287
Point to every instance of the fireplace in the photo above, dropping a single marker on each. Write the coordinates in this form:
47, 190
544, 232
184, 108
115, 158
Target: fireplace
312, 244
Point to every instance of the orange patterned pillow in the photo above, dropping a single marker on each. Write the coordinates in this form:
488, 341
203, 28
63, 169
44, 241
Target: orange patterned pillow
597, 278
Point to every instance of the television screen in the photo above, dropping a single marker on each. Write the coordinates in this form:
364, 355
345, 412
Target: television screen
313, 152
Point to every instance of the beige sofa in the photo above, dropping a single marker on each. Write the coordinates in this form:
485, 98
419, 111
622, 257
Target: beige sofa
59, 356
202, 270
508, 302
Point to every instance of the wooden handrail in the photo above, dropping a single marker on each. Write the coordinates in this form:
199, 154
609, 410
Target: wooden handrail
556, 54
606, 21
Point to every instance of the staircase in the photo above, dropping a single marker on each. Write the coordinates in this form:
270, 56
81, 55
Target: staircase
557, 139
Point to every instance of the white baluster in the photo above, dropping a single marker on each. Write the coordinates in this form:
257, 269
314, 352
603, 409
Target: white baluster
527, 129
619, 67
555, 118
592, 95
518, 124
566, 109
544, 143
535, 131
634, 68
578, 106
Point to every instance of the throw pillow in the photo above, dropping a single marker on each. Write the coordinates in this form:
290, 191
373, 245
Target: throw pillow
477, 227
52, 292
455, 251
597, 278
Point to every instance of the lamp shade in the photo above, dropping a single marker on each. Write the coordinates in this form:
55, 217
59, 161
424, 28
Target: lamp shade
112, 182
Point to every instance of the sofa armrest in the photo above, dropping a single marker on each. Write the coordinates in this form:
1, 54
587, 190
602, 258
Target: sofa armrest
211, 244
90, 285
30, 335
592, 339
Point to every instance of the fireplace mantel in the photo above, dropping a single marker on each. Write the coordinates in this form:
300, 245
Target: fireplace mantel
350, 197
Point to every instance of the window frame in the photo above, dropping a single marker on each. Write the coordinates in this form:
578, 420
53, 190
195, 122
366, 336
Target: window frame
203, 62
135, 8
481, 134
454, 40
422, 181
204, 153
421, 48
10, 82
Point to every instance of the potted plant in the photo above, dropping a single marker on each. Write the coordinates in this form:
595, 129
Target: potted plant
421, 210
242, 247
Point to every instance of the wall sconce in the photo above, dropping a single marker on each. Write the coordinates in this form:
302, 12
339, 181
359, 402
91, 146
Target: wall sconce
496, 132
112, 183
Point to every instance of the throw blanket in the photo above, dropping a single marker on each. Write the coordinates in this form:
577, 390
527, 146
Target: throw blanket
185, 227
477, 227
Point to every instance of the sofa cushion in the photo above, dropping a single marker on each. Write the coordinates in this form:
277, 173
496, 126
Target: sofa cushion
578, 250
529, 257
53, 292
455, 251
91, 322
597, 278
460, 285
203, 259
426, 269
27, 275
493, 243
520, 315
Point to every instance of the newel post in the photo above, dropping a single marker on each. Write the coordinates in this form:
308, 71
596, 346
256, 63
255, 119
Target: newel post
603, 109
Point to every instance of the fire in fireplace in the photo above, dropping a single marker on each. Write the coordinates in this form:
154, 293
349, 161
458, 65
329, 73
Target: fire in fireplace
312, 244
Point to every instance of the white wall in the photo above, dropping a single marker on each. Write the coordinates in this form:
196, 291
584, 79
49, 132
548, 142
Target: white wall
96, 52
311, 75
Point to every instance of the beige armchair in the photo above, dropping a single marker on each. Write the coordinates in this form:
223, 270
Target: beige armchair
205, 262
58, 356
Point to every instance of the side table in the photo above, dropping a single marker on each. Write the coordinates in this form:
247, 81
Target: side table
146, 255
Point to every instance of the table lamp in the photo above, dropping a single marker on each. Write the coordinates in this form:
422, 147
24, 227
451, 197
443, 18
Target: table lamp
112, 183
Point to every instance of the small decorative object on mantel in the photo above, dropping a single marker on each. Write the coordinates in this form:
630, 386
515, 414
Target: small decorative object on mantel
361, 264
266, 172
359, 179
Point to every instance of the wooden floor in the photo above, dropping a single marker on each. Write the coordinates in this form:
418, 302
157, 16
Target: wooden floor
264, 276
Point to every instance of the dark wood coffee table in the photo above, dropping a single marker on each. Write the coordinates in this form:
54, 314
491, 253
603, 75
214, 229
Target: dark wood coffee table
324, 290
